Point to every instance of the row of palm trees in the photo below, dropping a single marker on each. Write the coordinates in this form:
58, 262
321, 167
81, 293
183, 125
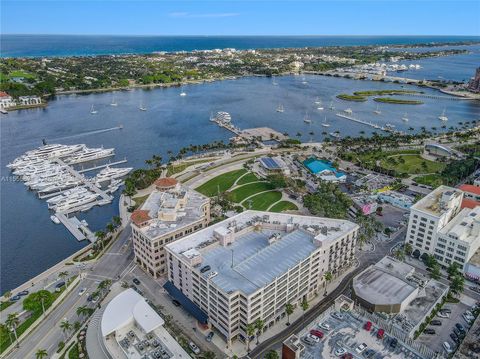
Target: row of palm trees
109, 229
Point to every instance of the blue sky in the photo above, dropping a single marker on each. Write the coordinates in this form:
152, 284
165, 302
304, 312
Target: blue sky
247, 17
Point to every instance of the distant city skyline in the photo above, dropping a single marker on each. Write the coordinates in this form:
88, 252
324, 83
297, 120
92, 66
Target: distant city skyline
358, 17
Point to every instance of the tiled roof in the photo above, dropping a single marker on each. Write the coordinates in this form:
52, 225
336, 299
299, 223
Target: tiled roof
4, 94
469, 203
166, 182
140, 216
470, 188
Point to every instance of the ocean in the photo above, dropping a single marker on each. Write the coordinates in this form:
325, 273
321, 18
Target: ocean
78, 45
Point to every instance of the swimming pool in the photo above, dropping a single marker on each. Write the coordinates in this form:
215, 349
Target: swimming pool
317, 166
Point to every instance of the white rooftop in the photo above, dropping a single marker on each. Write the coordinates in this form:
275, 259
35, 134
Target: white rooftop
465, 226
129, 308
439, 201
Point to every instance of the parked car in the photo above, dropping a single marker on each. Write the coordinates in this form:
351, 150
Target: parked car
310, 339
136, 281
436, 322
194, 347
324, 326
23, 293
340, 352
15, 298
446, 310
455, 338
337, 315
460, 327
316, 333
369, 353
443, 314
59, 286
475, 289
368, 326
380, 333
210, 336
205, 269
429, 331
361, 348
89, 298
81, 291
393, 343
469, 319
447, 347
176, 303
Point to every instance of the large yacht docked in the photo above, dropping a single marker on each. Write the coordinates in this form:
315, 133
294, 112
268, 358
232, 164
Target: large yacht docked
90, 154
110, 173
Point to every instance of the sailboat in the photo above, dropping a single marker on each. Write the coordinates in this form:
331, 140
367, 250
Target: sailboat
280, 108
142, 107
331, 106
274, 83
114, 103
443, 116
93, 111
304, 81
183, 93
325, 124
306, 119
319, 103
405, 118
377, 111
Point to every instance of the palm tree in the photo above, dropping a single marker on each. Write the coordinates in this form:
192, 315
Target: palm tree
327, 277
12, 322
117, 221
259, 324
76, 326
65, 326
42, 295
7, 294
63, 275
209, 355
288, 311
250, 331
272, 354
100, 236
110, 227
41, 353
304, 304
81, 311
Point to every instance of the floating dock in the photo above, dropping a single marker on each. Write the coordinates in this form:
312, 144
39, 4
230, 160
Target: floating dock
76, 228
83, 170
367, 123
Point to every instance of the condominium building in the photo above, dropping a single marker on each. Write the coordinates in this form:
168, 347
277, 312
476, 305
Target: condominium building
439, 226
429, 215
248, 267
170, 212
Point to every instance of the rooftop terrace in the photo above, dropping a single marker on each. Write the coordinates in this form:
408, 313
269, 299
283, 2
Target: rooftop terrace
439, 201
465, 226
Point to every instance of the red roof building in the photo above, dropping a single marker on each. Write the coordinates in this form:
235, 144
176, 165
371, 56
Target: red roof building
140, 217
469, 203
4, 94
165, 183
471, 191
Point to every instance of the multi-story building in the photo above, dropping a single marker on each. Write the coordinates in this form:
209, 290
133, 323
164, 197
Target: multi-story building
474, 83
471, 191
169, 213
460, 238
441, 225
429, 215
248, 267
6, 100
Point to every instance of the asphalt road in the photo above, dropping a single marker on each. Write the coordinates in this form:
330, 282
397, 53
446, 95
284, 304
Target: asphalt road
48, 334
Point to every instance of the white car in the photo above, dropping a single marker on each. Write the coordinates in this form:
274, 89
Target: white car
337, 315
447, 347
340, 352
324, 326
194, 347
361, 348
81, 291
443, 314
311, 339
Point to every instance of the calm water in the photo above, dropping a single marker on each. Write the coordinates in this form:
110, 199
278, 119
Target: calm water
69, 45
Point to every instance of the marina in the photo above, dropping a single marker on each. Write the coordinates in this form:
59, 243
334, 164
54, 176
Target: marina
49, 171
349, 116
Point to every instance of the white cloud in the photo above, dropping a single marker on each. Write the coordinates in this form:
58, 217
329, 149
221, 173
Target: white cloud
207, 15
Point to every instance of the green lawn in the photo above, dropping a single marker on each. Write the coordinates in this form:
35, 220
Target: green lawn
248, 178
222, 183
433, 180
5, 305
23, 74
262, 201
284, 206
411, 164
171, 170
239, 194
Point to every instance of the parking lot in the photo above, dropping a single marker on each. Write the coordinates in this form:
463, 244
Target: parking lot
442, 332
346, 337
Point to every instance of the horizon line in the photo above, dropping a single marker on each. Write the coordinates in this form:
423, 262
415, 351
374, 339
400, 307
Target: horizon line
239, 35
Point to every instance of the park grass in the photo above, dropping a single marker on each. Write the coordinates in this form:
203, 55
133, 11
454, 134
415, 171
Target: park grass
283, 206
397, 101
19, 73
432, 180
248, 178
262, 201
174, 169
73, 353
347, 97
5, 305
412, 164
139, 201
384, 92
220, 183
240, 193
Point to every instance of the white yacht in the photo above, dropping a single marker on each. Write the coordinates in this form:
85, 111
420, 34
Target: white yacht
443, 117
335, 135
348, 111
66, 194
110, 173
405, 117
114, 103
222, 117
90, 154
280, 108
377, 111
325, 123
75, 202
54, 219
93, 111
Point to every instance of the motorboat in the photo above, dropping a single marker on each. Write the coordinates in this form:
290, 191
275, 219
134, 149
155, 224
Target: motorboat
55, 219
443, 117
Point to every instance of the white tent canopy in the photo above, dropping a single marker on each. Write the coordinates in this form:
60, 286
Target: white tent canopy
129, 308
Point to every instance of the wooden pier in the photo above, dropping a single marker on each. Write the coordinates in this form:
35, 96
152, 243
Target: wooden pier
367, 123
76, 228
83, 170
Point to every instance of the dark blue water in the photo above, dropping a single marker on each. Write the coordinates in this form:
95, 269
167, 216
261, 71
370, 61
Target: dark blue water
74, 45
30, 242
